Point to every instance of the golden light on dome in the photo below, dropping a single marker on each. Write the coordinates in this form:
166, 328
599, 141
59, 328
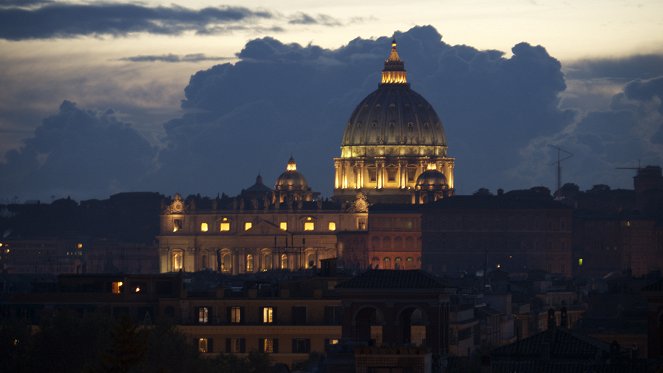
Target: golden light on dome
394, 77
292, 166
431, 166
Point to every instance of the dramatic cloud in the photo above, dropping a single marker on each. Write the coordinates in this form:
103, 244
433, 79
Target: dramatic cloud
626, 68
321, 19
289, 99
23, 3
500, 114
197, 57
77, 152
629, 132
71, 20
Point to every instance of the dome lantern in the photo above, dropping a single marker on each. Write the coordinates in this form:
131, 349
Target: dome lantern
394, 69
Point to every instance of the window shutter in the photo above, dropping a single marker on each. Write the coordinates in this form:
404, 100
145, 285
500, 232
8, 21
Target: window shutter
210, 345
308, 345
228, 342
274, 316
229, 314
242, 345
276, 345
242, 319
195, 343
294, 345
261, 344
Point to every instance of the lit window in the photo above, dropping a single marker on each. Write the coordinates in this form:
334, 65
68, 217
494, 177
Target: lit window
178, 260
397, 263
283, 225
203, 315
248, 225
202, 345
330, 342
579, 262
203, 227
226, 266
309, 226
177, 225
117, 287
236, 315
267, 345
79, 245
225, 225
332, 226
268, 315
249, 263
387, 263
284, 261
409, 259
310, 261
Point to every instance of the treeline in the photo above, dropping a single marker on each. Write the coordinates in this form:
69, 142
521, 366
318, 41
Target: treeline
97, 343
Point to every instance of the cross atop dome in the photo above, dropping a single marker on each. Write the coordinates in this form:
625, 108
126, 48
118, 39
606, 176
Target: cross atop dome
394, 68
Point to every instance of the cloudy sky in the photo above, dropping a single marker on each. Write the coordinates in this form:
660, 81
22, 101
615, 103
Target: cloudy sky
198, 97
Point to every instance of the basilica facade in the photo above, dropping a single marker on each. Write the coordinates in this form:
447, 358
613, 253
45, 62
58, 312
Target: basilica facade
393, 151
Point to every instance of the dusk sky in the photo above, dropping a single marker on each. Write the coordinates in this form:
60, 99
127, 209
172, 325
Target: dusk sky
199, 97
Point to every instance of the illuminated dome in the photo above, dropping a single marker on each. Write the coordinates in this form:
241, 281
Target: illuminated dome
431, 180
392, 139
291, 179
395, 115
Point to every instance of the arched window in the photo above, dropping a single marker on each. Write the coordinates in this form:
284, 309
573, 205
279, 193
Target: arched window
397, 263
203, 315
203, 262
409, 243
204, 227
226, 264
375, 242
386, 263
310, 260
267, 262
284, 261
375, 262
177, 258
249, 263
386, 242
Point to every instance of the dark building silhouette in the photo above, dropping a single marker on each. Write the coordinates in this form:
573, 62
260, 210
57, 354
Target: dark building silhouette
517, 231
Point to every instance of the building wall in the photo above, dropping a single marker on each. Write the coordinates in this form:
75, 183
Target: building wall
468, 239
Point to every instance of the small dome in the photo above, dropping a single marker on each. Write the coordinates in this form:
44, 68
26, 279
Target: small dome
291, 179
431, 180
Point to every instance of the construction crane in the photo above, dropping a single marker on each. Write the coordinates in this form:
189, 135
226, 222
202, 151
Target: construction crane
559, 161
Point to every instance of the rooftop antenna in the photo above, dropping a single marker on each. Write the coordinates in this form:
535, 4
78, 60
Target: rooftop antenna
560, 159
631, 168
